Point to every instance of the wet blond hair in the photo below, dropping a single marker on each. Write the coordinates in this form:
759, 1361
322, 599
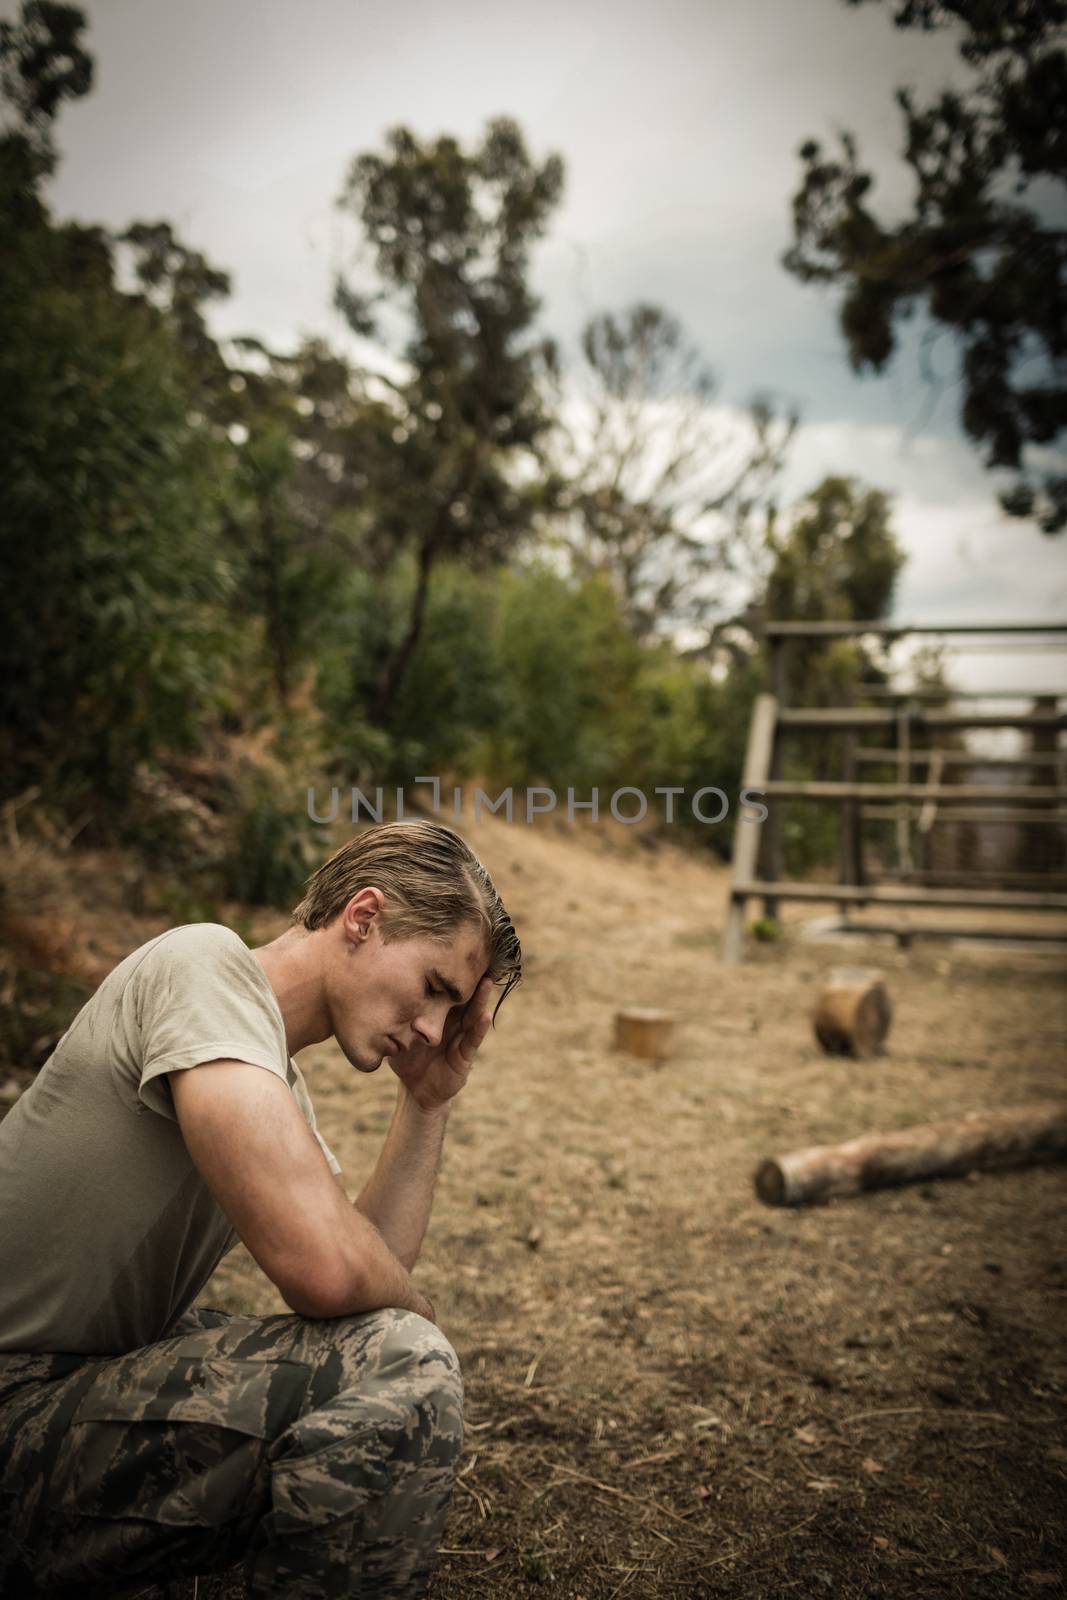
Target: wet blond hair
433, 884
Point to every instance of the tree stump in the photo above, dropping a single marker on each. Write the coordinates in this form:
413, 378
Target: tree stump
853, 1013
977, 1142
645, 1033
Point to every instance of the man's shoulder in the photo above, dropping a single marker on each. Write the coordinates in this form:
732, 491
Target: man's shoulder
206, 942
198, 953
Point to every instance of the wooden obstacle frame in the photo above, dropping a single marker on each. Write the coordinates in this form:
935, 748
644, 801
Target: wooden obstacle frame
759, 845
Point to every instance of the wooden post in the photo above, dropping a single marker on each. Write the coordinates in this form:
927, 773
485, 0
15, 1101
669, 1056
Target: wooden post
978, 1142
644, 1033
772, 860
851, 870
904, 861
761, 742
852, 1015
928, 810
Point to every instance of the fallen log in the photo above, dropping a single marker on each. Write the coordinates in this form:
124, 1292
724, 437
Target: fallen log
977, 1142
645, 1033
852, 1015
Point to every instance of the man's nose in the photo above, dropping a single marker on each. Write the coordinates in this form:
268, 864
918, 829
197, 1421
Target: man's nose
430, 1027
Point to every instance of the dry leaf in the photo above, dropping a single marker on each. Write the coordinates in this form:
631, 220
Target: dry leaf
881, 1541
870, 1465
491, 1555
1045, 1579
822, 1484
998, 1556
806, 1435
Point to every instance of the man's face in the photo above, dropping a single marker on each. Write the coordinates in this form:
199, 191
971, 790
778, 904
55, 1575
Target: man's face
385, 997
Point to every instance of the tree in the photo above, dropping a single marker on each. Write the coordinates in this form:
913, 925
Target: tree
984, 249
661, 495
108, 518
834, 558
42, 63
450, 234
179, 282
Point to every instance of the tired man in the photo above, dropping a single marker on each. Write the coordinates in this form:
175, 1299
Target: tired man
141, 1437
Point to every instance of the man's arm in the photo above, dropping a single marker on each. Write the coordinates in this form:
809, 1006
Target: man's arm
398, 1196
261, 1161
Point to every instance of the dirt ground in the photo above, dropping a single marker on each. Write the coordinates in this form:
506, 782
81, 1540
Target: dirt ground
673, 1390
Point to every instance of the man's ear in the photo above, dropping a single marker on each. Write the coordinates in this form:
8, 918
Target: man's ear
359, 915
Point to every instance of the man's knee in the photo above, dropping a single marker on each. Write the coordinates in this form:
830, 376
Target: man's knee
393, 1371
388, 1436
415, 1366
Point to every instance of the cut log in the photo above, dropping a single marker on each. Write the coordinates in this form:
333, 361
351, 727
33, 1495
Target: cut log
977, 1142
645, 1033
853, 1013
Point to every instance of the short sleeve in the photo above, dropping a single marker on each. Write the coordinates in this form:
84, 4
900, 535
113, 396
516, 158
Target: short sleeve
199, 995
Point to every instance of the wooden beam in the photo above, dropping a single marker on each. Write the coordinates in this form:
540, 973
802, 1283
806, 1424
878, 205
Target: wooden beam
894, 630
978, 876
758, 755
961, 758
904, 932
954, 793
838, 717
888, 814
881, 691
892, 895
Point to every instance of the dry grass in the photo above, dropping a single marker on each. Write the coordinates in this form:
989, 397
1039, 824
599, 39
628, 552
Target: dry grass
672, 1390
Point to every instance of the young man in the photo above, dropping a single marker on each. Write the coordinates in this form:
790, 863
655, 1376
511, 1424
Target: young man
140, 1437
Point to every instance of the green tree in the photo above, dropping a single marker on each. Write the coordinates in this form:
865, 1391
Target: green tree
450, 693
107, 538
984, 248
836, 559
179, 282
108, 520
567, 667
450, 234
42, 63
833, 558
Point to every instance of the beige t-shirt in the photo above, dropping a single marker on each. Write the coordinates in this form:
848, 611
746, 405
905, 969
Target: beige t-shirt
107, 1230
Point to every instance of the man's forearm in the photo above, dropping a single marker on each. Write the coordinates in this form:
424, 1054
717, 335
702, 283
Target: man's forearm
364, 1275
398, 1196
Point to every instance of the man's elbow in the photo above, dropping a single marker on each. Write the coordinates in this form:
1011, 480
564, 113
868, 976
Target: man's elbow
321, 1290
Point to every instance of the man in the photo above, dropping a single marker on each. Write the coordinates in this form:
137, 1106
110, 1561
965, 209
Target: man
140, 1438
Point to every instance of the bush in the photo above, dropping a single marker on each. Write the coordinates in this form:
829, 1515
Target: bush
270, 854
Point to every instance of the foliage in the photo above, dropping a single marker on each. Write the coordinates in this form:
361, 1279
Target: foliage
449, 692
566, 667
42, 63
834, 558
107, 550
984, 249
450, 234
270, 854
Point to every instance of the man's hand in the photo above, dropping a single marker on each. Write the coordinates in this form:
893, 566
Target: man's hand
432, 1074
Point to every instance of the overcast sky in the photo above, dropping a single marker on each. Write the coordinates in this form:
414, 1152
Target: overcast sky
678, 124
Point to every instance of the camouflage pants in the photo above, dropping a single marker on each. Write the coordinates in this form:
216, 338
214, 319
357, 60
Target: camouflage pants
316, 1456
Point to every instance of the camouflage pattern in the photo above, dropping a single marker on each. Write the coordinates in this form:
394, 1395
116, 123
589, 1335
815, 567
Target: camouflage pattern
317, 1456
